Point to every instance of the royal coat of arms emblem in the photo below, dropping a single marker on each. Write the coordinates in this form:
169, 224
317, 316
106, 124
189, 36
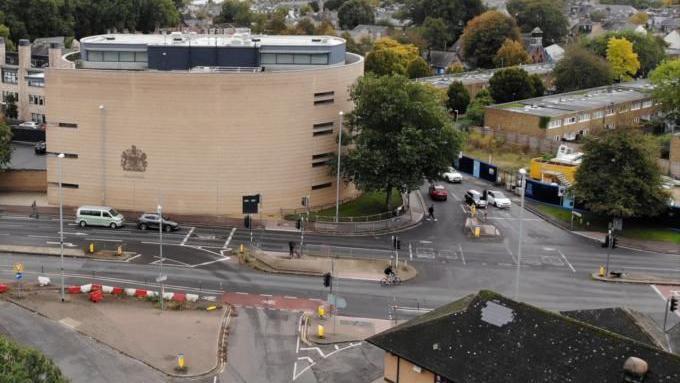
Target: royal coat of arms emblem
133, 160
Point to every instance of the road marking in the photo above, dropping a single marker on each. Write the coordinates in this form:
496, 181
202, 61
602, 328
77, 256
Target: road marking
455, 197
211, 262
105, 240
41, 236
463, 208
266, 295
226, 243
133, 257
4, 233
289, 297
462, 256
240, 293
186, 238
67, 244
425, 241
168, 260
566, 260
410, 252
311, 364
514, 219
74, 233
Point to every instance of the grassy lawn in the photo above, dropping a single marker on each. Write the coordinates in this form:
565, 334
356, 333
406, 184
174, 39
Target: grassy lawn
505, 160
366, 204
631, 230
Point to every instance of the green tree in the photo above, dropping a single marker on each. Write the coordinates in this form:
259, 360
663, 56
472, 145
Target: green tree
537, 85
651, 50
21, 364
434, 31
5, 151
303, 27
235, 12
11, 110
485, 34
458, 97
666, 80
418, 68
618, 176
390, 57
580, 69
510, 84
402, 135
476, 109
153, 14
4, 33
455, 13
355, 12
455, 68
333, 5
511, 53
623, 61
545, 14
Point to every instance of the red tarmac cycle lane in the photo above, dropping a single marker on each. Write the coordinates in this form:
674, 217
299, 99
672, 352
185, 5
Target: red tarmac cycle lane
275, 302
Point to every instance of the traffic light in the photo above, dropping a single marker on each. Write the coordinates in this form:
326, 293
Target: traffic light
327, 280
246, 221
613, 242
298, 224
396, 243
674, 303
606, 241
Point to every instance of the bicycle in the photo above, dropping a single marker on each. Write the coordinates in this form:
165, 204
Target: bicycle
390, 280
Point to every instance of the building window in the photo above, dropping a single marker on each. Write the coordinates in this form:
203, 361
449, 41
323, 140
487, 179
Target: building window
65, 185
324, 94
9, 76
647, 104
36, 100
67, 125
570, 121
127, 56
322, 129
111, 56
636, 120
598, 114
284, 59
623, 108
301, 59
635, 106
321, 159
583, 117
95, 56
7, 94
38, 83
554, 124
610, 111
38, 117
141, 57
322, 186
267, 58
324, 98
320, 59
610, 126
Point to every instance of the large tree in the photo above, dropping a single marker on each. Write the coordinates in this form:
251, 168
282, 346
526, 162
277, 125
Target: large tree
454, 13
510, 84
418, 68
390, 57
5, 147
618, 176
458, 97
511, 53
402, 135
623, 61
355, 12
666, 80
580, 69
435, 32
537, 85
651, 49
545, 14
485, 34
476, 109
235, 12
21, 364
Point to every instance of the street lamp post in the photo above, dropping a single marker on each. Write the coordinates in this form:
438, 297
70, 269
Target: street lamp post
337, 180
522, 173
61, 223
102, 111
456, 112
160, 236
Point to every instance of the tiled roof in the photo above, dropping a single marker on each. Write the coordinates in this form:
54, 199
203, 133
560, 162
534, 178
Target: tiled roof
487, 338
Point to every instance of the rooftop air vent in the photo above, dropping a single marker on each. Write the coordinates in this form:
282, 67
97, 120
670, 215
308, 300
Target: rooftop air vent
316, 40
110, 37
256, 40
497, 314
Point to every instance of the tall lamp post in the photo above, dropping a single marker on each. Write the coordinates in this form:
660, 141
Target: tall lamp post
337, 180
522, 174
102, 111
161, 277
61, 224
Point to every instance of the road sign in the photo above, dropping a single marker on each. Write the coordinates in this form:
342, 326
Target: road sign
250, 204
161, 278
19, 276
19, 267
576, 213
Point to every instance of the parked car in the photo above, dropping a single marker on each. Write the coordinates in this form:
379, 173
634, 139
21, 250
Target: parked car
151, 221
452, 176
40, 148
438, 192
497, 199
473, 197
29, 125
99, 216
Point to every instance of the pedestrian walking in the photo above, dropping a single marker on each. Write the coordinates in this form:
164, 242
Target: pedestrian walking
430, 211
291, 248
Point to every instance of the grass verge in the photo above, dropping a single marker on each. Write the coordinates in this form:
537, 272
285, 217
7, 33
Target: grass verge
366, 204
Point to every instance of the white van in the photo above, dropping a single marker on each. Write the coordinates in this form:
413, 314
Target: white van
99, 216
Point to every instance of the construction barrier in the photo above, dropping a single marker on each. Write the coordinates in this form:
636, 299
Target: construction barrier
96, 286
192, 297
140, 293
3, 288
86, 288
107, 289
117, 291
168, 296
73, 289
130, 292
179, 297
96, 296
43, 281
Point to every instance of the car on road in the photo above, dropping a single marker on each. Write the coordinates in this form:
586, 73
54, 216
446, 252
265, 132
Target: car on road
438, 192
40, 147
99, 216
473, 197
150, 221
497, 199
29, 125
452, 176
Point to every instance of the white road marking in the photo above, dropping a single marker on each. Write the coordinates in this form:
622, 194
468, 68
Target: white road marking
463, 208
325, 356
133, 257
566, 260
311, 364
67, 244
410, 252
289, 297
186, 238
462, 256
226, 243
211, 262
41, 236
425, 241
266, 295
105, 240
169, 260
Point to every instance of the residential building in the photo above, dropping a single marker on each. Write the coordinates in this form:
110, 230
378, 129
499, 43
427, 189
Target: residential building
474, 81
22, 75
489, 338
570, 115
440, 60
198, 121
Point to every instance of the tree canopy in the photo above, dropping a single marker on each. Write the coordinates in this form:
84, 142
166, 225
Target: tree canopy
454, 13
666, 79
510, 84
436, 34
418, 67
458, 97
545, 14
618, 176
402, 135
651, 50
235, 12
511, 53
485, 34
581, 69
5, 148
475, 111
623, 61
355, 12
390, 57
21, 364
537, 85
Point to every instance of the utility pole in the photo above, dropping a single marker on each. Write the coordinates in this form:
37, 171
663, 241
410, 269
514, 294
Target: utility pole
161, 277
337, 178
609, 249
61, 223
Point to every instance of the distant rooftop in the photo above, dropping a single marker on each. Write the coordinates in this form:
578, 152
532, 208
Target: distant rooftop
208, 40
480, 76
582, 100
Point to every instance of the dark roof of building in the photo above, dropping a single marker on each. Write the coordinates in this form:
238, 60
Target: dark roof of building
442, 59
617, 320
492, 339
41, 45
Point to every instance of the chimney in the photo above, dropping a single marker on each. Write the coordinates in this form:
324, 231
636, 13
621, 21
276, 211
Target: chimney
24, 53
2, 51
54, 55
634, 370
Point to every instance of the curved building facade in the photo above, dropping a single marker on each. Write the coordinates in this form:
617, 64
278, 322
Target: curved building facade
197, 139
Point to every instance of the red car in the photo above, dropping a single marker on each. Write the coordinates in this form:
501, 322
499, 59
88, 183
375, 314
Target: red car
438, 192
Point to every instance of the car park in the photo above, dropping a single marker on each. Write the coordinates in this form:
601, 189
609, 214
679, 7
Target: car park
452, 176
438, 192
29, 125
40, 147
498, 199
99, 216
150, 221
473, 197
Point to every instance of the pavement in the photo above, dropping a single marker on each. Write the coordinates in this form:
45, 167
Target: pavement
24, 157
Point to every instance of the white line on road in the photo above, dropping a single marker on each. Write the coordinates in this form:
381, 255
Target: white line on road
226, 243
41, 236
266, 295
186, 238
463, 208
105, 240
462, 256
566, 260
241, 293
211, 262
169, 260
425, 241
455, 197
410, 252
289, 297
133, 257
67, 244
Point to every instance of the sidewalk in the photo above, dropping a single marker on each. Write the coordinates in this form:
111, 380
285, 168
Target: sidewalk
643, 279
341, 329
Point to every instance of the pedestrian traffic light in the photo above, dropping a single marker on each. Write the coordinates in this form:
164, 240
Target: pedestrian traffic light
674, 303
327, 280
398, 243
298, 224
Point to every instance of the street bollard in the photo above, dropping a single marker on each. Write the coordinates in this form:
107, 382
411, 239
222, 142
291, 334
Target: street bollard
320, 332
601, 271
119, 250
240, 249
477, 230
321, 311
91, 248
180, 361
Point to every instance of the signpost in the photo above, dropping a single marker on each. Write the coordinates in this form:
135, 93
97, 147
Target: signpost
19, 269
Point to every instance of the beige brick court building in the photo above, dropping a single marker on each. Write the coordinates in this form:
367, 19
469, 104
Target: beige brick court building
198, 121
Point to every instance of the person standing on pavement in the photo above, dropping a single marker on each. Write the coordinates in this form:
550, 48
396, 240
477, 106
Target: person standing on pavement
291, 248
430, 211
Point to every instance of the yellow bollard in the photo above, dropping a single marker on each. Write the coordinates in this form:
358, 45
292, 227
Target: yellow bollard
211, 308
241, 249
91, 247
180, 361
320, 332
602, 271
321, 311
119, 251
477, 231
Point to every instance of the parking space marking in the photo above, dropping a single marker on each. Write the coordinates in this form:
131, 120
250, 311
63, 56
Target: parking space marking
462, 256
567, 261
552, 260
231, 234
186, 238
425, 252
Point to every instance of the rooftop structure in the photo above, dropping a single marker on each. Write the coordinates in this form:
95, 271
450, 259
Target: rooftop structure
481, 76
